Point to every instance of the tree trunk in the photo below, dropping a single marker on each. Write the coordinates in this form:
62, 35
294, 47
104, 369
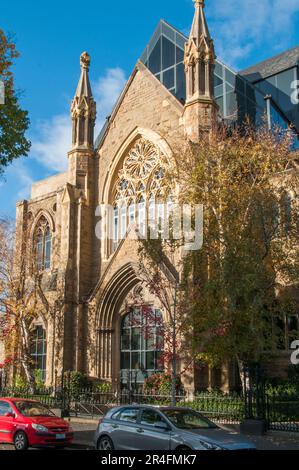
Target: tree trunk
26, 356
241, 367
30, 378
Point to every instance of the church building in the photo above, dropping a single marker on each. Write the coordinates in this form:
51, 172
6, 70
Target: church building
177, 90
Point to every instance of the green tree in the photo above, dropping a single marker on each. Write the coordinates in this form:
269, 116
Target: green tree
14, 121
236, 284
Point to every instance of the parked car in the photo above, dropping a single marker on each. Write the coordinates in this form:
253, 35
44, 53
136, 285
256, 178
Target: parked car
29, 423
163, 428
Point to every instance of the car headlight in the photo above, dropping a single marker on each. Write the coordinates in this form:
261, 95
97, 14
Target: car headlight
210, 446
40, 428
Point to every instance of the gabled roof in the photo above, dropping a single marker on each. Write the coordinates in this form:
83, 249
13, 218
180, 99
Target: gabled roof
266, 68
138, 67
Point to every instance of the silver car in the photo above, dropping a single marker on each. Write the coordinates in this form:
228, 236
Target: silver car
139, 427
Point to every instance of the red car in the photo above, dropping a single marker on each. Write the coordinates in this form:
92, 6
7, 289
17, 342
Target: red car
28, 423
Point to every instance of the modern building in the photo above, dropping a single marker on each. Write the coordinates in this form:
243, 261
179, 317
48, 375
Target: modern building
88, 282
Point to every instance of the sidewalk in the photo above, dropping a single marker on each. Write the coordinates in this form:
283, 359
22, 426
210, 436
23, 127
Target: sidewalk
84, 430
276, 440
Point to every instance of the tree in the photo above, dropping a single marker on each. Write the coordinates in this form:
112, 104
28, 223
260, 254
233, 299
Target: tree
23, 299
234, 285
159, 273
14, 121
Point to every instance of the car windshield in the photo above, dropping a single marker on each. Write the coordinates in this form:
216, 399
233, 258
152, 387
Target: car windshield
32, 408
188, 419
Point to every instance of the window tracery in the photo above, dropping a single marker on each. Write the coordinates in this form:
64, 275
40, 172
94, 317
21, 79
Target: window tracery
43, 244
140, 186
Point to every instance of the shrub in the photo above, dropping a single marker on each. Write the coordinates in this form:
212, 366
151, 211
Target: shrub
20, 382
293, 375
76, 383
104, 387
39, 382
161, 384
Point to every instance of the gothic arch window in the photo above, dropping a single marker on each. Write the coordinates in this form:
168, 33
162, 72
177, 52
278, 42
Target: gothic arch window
142, 344
140, 182
39, 350
43, 244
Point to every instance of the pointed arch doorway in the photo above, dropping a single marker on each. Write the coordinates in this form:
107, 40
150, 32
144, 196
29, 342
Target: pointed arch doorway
130, 342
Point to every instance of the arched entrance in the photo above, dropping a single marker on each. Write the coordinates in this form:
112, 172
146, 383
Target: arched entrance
129, 336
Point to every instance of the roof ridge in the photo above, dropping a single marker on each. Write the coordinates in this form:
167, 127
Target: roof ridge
270, 60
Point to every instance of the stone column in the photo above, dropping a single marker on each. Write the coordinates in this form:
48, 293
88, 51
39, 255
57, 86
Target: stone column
105, 354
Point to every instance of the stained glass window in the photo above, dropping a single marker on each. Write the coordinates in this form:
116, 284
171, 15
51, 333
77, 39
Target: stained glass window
43, 244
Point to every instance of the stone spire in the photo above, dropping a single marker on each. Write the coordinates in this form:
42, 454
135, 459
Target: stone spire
200, 108
83, 109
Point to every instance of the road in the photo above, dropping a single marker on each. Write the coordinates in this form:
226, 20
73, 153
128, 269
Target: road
83, 436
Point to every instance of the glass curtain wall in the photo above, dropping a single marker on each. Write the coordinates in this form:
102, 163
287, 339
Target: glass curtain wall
236, 97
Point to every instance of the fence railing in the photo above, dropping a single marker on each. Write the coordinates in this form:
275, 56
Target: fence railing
281, 412
223, 409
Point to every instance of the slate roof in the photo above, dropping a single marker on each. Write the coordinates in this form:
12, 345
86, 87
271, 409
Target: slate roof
269, 67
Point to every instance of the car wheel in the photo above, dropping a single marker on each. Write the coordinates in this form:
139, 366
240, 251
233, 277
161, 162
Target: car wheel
105, 443
21, 441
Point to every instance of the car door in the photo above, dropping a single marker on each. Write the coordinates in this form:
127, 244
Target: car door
124, 428
153, 432
7, 423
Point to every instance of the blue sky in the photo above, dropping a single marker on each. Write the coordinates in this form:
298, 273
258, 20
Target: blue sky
51, 35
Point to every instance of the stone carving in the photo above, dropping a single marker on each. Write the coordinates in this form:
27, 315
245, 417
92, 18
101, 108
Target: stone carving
85, 60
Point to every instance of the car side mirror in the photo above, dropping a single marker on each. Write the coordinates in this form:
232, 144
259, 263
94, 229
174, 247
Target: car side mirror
9, 414
162, 426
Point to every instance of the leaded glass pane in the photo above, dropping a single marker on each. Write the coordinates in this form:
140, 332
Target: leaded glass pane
168, 78
135, 360
150, 360
180, 82
231, 104
125, 340
39, 350
155, 58
136, 339
217, 81
179, 55
168, 53
125, 360
141, 356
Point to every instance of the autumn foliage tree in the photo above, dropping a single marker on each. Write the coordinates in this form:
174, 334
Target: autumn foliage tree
23, 300
159, 272
233, 290
14, 121
235, 285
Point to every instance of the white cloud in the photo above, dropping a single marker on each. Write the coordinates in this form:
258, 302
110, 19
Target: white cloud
53, 142
25, 180
53, 136
239, 28
17, 182
106, 92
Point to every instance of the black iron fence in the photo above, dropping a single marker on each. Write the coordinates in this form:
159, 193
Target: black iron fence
93, 403
280, 412
225, 409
